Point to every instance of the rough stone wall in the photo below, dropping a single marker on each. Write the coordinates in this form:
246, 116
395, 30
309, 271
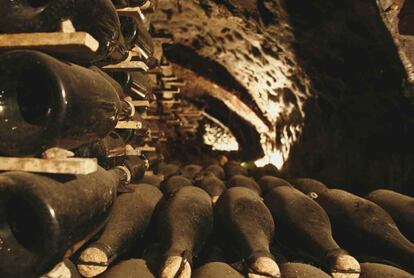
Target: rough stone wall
324, 76
251, 40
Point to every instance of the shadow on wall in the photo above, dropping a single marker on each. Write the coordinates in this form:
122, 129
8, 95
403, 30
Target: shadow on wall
359, 134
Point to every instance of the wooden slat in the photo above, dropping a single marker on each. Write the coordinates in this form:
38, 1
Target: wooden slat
129, 11
127, 65
74, 166
76, 43
140, 103
129, 125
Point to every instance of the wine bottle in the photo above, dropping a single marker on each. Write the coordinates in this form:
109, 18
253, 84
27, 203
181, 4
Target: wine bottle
184, 223
154, 180
399, 206
124, 79
306, 225
211, 184
47, 217
110, 151
243, 181
216, 170
27, 16
135, 34
299, 270
215, 270
308, 186
132, 268
48, 103
173, 184
128, 222
190, 171
375, 270
167, 169
267, 183
233, 168
365, 228
246, 225
64, 269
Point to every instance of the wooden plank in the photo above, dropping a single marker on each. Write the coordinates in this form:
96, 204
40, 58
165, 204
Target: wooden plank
129, 125
129, 11
74, 43
74, 166
140, 103
127, 65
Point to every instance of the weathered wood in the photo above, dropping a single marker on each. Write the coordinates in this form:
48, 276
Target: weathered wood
140, 103
74, 43
74, 166
127, 65
129, 11
129, 125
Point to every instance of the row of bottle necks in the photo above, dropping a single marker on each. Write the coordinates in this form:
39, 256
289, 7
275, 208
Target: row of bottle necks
186, 218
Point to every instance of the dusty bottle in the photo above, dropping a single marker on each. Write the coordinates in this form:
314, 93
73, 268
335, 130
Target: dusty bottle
399, 206
375, 270
216, 170
135, 34
128, 222
184, 223
133, 268
190, 171
46, 16
243, 181
167, 169
154, 180
308, 186
267, 183
215, 270
306, 225
211, 184
45, 218
299, 270
173, 184
246, 225
363, 227
232, 168
64, 269
46, 103
110, 151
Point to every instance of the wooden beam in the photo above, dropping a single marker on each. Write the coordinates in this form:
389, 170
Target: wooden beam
127, 65
129, 125
73, 166
74, 43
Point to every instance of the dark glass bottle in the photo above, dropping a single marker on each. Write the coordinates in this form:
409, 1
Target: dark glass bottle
46, 16
135, 34
246, 226
129, 269
45, 218
184, 223
375, 270
399, 206
130, 217
45, 103
305, 226
364, 228
299, 270
216, 269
